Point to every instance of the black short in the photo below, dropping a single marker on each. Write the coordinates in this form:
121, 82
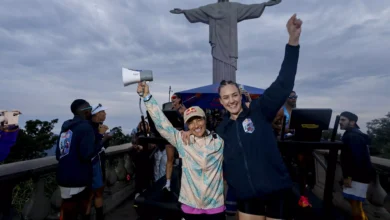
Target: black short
272, 206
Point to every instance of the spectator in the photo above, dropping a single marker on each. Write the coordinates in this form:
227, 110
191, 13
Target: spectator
355, 163
303, 159
98, 117
75, 149
142, 159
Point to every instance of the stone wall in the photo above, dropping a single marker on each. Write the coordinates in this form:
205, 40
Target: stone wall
120, 183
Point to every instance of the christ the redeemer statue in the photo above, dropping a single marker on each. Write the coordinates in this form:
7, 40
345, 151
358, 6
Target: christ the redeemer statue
222, 18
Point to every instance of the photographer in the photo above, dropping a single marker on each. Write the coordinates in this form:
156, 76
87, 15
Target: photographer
9, 130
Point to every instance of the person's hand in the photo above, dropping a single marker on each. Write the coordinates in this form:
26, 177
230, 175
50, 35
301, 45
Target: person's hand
348, 182
143, 89
167, 185
185, 136
177, 11
272, 2
138, 148
103, 129
108, 135
294, 28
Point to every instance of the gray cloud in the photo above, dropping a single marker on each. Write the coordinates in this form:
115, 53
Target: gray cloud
54, 52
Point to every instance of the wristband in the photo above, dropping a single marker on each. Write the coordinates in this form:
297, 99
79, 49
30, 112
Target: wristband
147, 98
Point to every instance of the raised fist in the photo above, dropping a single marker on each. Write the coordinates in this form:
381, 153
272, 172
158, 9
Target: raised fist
177, 11
143, 89
294, 28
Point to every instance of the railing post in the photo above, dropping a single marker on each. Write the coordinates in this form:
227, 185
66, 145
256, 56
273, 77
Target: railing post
38, 206
329, 181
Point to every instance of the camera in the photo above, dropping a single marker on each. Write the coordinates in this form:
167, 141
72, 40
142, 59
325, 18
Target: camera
8, 118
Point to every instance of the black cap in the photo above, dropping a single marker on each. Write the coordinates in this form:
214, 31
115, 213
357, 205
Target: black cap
76, 104
351, 116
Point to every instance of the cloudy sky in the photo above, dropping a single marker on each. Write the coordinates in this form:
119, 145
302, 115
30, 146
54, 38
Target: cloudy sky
53, 52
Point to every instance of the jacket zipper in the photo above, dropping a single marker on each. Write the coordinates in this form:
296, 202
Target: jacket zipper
245, 161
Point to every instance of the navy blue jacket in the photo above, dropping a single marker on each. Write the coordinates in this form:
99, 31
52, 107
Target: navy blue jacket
253, 165
75, 149
355, 158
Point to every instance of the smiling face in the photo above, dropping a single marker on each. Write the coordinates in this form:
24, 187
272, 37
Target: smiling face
231, 99
197, 126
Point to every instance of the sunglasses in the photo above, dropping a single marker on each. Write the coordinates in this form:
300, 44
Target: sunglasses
293, 97
86, 108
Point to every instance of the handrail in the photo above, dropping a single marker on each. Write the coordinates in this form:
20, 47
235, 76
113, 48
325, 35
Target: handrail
26, 169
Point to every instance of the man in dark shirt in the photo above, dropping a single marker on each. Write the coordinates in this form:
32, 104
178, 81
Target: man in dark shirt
355, 163
75, 149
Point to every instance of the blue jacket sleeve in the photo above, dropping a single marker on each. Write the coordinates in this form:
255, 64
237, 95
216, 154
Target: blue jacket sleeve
87, 144
275, 96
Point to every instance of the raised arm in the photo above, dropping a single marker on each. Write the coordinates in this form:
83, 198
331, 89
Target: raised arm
274, 97
193, 15
163, 126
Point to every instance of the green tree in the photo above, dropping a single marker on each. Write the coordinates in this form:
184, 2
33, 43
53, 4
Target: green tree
119, 137
379, 131
33, 140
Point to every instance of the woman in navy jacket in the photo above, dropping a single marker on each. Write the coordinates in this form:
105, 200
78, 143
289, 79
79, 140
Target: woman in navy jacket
253, 165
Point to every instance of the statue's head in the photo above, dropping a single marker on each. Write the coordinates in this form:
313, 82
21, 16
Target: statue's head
223, 1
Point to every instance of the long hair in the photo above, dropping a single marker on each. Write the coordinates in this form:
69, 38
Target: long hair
140, 126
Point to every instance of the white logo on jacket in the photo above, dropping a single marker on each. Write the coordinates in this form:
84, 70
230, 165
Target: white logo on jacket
248, 126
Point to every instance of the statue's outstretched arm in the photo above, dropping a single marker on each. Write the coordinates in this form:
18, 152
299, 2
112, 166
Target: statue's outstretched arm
272, 2
193, 15
245, 12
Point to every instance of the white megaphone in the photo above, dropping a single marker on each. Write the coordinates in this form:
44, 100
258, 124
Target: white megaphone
135, 76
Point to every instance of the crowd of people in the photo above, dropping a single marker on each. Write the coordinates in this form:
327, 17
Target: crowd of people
237, 145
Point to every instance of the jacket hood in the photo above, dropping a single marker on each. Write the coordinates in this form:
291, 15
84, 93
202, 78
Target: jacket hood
357, 131
69, 123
